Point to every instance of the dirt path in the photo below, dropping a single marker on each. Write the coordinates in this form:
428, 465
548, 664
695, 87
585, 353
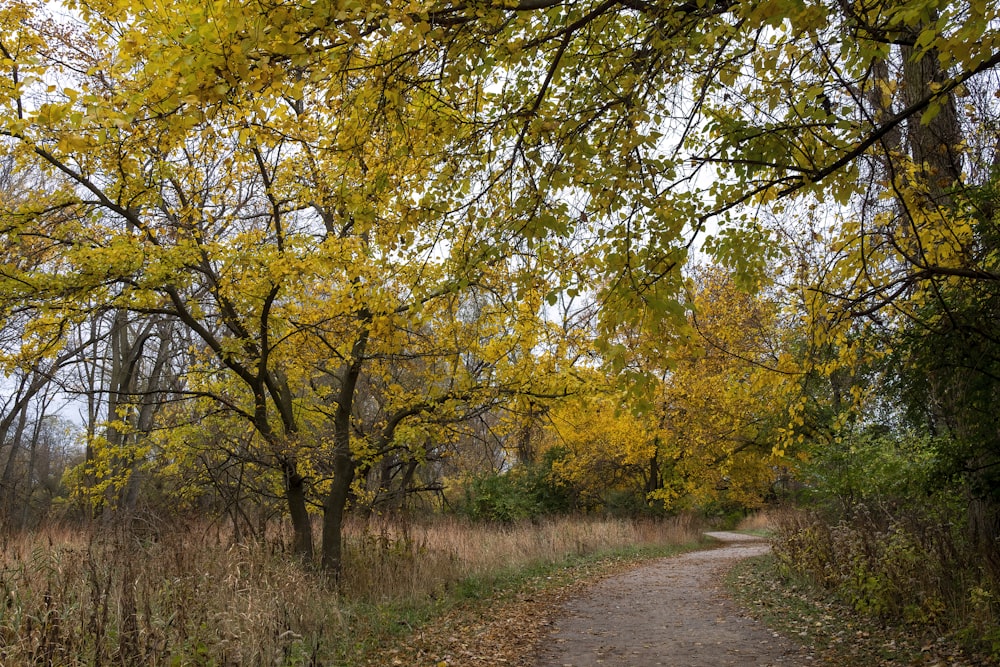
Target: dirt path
671, 612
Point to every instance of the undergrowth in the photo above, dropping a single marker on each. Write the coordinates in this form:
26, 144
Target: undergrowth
185, 595
834, 632
916, 572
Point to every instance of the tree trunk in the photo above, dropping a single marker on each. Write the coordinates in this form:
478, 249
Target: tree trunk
28, 387
344, 465
7, 480
525, 442
334, 509
398, 497
653, 479
148, 405
933, 145
32, 461
126, 357
295, 491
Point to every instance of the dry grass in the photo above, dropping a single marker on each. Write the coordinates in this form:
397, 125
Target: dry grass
391, 560
73, 598
761, 522
185, 595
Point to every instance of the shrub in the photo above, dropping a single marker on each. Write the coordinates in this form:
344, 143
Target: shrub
524, 492
502, 498
917, 568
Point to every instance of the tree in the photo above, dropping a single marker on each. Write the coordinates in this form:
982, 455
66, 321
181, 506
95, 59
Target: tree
659, 116
722, 407
602, 451
286, 234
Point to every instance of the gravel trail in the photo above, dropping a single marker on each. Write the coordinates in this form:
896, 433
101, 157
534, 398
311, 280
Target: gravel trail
671, 612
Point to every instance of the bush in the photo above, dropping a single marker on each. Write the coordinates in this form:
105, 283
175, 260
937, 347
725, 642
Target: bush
524, 492
917, 568
503, 498
875, 470
896, 536
627, 504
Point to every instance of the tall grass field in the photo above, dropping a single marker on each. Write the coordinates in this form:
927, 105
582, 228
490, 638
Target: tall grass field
188, 595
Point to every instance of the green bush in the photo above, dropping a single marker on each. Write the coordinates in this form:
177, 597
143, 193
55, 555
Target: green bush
502, 498
628, 504
891, 533
523, 492
873, 469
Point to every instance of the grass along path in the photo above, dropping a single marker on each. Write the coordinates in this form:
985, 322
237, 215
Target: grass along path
504, 621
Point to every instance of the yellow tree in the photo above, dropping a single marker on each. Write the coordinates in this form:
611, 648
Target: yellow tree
660, 116
712, 417
599, 446
427, 133
722, 408
286, 226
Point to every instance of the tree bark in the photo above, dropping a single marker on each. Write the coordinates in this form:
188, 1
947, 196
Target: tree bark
334, 510
7, 480
344, 465
932, 145
295, 492
653, 478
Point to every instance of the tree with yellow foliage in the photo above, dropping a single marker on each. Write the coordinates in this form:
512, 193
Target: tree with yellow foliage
299, 184
331, 302
600, 450
722, 408
711, 421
